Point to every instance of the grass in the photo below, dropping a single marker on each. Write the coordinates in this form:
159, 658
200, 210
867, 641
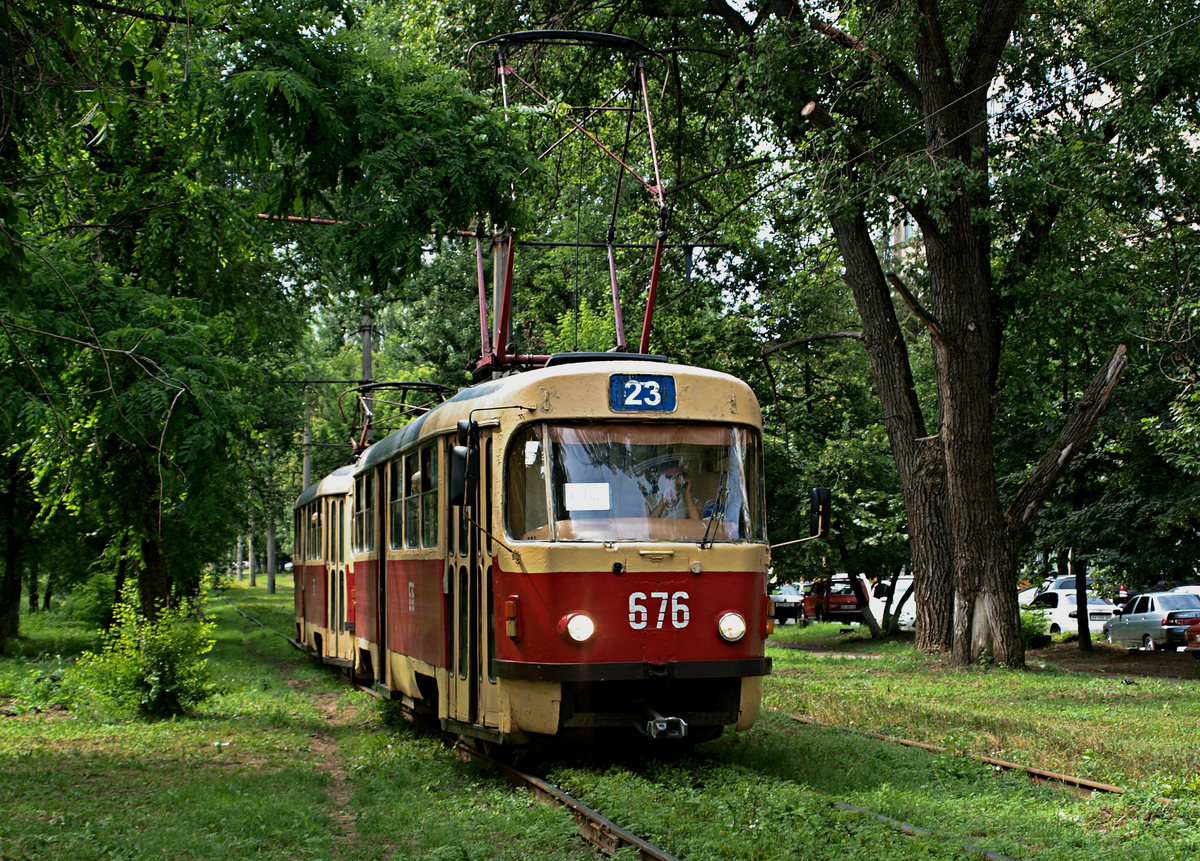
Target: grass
287, 762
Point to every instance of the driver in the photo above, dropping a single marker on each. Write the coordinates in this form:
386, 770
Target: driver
674, 494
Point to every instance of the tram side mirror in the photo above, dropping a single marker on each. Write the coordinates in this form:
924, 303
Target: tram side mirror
464, 474
459, 456
819, 511
468, 433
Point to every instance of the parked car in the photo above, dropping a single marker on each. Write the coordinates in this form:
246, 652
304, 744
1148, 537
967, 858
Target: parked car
787, 598
1155, 620
840, 598
1192, 637
1062, 611
906, 612
1062, 584
1025, 596
1190, 589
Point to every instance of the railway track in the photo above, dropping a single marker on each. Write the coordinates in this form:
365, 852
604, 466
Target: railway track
1034, 773
596, 829
607, 837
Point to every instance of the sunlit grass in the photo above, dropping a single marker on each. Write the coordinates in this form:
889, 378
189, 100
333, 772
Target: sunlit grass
288, 762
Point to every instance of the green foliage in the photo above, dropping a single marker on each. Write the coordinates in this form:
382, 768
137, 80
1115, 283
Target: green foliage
584, 329
1034, 626
155, 669
93, 601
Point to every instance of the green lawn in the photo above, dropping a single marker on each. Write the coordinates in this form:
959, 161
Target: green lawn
288, 762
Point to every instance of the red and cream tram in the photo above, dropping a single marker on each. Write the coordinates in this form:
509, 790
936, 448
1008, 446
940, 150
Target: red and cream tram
567, 551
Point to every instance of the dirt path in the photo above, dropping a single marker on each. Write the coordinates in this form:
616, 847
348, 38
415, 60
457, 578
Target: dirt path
337, 711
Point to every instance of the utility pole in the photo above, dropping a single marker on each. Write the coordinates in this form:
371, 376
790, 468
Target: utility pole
367, 331
306, 472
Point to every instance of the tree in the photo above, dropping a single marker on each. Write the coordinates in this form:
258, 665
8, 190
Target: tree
885, 110
150, 323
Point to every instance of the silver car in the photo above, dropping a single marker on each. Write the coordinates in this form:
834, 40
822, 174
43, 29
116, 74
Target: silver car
1155, 620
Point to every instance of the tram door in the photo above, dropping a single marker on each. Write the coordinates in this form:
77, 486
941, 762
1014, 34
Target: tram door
471, 628
340, 644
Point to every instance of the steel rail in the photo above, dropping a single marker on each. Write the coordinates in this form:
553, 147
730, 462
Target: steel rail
1032, 771
594, 827
604, 834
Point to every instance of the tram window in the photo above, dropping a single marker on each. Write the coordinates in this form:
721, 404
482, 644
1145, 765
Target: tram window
412, 501
395, 505
464, 624
314, 535
364, 513
525, 489
623, 481
487, 495
339, 528
429, 496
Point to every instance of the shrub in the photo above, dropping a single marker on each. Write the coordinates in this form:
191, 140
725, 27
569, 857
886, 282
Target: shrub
152, 668
92, 601
1035, 628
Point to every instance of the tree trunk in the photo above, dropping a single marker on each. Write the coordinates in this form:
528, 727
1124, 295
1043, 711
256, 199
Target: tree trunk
250, 555
271, 556
10, 586
238, 561
17, 517
918, 456
1084, 628
32, 572
49, 590
154, 586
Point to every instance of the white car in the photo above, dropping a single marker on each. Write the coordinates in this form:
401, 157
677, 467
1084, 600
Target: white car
1061, 611
907, 612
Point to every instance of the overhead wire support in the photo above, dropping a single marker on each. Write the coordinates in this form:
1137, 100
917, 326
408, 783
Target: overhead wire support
575, 119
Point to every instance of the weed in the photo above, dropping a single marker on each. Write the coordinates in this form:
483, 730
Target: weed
152, 668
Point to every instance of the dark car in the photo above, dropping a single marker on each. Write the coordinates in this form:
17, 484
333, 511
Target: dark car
788, 599
1155, 620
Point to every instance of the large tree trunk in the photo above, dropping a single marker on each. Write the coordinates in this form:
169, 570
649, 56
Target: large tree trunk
918, 457
16, 510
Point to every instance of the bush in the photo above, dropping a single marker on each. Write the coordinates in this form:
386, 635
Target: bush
1035, 628
153, 669
93, 600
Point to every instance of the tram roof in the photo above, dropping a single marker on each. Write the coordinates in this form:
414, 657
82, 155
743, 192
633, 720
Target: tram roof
338, 481
711, 395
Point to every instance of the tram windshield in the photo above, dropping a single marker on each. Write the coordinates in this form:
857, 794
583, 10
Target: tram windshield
628, 482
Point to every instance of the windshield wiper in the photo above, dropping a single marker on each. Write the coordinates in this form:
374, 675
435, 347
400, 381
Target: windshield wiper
718, 506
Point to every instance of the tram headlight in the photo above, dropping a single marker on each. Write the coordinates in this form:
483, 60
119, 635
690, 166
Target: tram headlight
577, 627
732, 627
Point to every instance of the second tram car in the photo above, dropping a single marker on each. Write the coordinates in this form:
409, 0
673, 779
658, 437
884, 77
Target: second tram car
564, 552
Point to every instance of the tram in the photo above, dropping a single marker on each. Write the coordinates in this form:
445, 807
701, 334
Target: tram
569, 551
575, 546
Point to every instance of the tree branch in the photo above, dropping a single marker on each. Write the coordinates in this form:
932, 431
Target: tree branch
993, 29
137, 13
840, 37
931, 322
739, 25
1079, 426
823, 120
811, 339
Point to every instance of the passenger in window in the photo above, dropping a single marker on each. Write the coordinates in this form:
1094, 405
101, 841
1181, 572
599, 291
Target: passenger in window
675, 494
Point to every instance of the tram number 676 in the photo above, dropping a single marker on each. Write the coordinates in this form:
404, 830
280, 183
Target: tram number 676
652, 610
